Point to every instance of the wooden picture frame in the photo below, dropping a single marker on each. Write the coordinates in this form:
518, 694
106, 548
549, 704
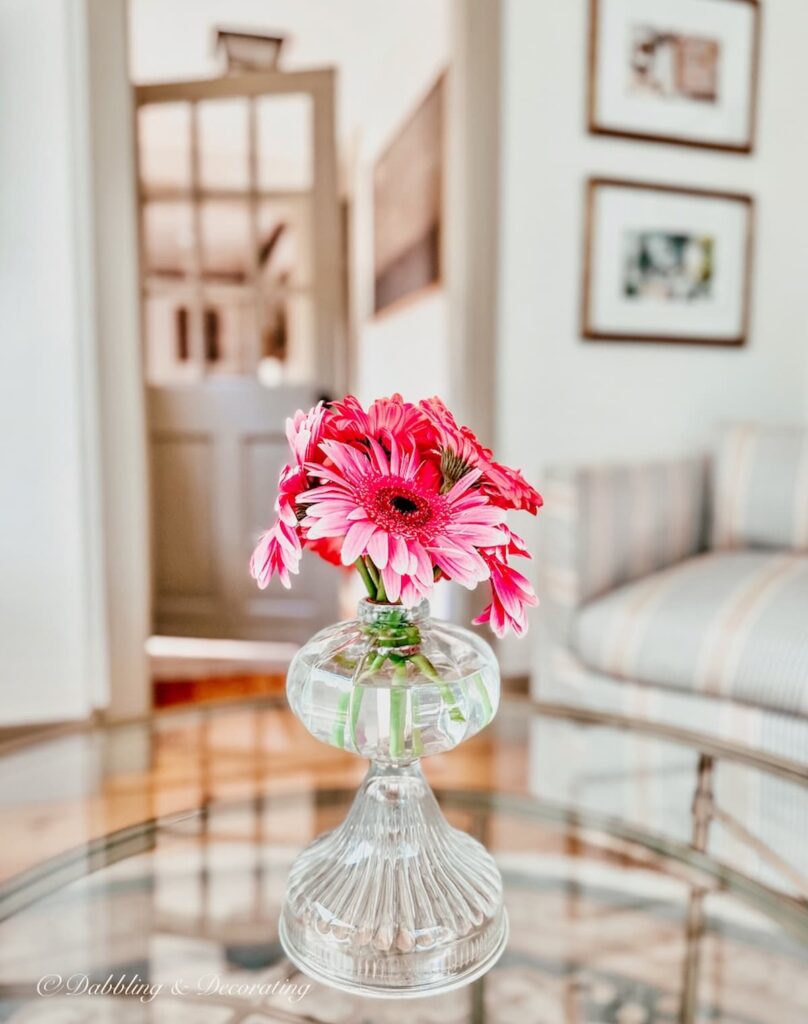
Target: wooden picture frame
408, 207
683, 283
603, 117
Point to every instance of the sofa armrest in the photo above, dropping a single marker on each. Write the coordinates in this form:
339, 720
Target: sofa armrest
608, 525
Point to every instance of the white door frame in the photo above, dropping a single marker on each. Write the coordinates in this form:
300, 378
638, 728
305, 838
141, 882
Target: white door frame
472, 236
113, 336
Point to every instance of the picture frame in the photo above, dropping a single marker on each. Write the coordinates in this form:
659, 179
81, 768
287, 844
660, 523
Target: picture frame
666, 264
683, 72
408, 206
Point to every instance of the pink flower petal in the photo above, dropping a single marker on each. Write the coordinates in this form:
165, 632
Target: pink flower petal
356, 540
392, 583
399, 555
379, 549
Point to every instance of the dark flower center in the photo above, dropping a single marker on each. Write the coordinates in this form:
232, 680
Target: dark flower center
400, 507
402, 504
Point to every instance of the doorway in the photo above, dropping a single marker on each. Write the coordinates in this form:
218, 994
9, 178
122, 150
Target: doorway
241, 268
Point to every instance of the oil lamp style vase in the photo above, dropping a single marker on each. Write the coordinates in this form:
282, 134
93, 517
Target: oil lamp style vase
395, 901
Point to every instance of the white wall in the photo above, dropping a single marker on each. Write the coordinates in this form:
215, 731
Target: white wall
561, 399
404, 349
51, 640
74, 542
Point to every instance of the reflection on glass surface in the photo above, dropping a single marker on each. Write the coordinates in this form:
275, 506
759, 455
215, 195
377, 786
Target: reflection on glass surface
600, 931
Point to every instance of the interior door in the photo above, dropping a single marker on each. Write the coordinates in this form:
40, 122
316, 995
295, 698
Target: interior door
216, 455
241, 273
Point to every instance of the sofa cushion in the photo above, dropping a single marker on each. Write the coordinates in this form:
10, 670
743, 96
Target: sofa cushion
760, 488
731, 624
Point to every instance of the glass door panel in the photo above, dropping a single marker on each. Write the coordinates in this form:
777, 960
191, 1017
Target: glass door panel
285, 142
285, 242
288, 339
232, 280
226, 241
164, 147
224, 148
168, 239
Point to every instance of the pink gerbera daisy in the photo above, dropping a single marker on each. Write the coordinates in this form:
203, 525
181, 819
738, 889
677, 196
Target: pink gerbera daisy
385, 419
277, 553
279, 549
460, 451
511, 596
383, 507
304, 431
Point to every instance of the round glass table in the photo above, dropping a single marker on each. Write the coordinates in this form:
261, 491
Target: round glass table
650, 875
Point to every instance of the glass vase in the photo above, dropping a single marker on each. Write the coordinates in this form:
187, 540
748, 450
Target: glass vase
394, 901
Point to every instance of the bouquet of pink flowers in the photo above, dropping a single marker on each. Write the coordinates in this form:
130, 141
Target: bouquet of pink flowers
405, 495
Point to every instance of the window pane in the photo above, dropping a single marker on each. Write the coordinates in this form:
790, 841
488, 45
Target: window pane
285, 248
226, 241
287, 340
285, 142
168, 238
169, 358
223, 143
229, 330
164, 145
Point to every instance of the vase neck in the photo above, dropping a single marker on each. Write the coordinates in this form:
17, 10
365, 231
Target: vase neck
392, 784
384, 613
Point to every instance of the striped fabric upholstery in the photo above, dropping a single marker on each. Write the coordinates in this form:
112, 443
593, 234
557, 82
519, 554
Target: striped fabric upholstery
727, 624
564, 678
761, 488
607, 525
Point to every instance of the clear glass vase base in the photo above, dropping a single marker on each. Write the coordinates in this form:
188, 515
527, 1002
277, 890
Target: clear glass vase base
447, 983
394, 902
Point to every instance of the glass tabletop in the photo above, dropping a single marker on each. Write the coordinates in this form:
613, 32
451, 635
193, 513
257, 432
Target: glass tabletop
649, 877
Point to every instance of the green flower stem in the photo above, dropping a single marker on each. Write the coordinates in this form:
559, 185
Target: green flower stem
394, 637
398, 699
381, 593
357, 694
417, 739
488, 711
373, 572
429, 670
362, 569
374, 663
338, 728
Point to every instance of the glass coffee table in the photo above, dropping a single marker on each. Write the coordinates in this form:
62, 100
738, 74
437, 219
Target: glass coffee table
651, 875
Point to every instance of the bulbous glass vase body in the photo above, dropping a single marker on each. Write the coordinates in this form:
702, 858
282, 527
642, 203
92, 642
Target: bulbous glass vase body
393, 684
394, 902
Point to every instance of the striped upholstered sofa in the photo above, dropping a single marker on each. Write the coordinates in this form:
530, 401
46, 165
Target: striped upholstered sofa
678, 591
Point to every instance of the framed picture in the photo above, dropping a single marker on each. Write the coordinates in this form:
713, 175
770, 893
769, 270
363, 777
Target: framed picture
407, 206
681, 71
666, 264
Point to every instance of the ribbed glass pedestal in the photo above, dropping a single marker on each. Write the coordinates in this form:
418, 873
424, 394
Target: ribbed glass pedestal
394, 902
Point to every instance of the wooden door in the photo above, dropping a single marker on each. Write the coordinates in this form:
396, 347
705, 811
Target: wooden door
241, 274
216, 453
